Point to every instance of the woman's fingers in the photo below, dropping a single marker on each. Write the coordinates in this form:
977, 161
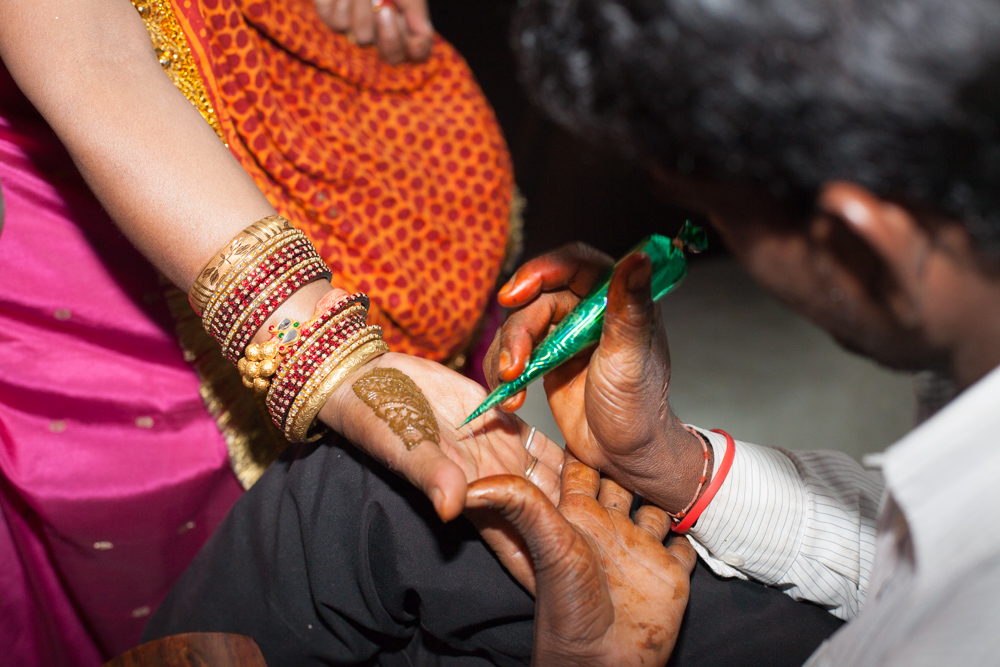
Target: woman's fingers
547, 451
390, 35
654, 521
576, 266
363, 22
326, 9
416, 29
578, 480
337, 14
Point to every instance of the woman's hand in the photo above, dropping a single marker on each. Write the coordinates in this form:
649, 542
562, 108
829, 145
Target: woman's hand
611, 404
607, 591
401, 29
443, 470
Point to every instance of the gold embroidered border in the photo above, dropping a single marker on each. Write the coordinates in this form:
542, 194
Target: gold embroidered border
251, 438
174, 53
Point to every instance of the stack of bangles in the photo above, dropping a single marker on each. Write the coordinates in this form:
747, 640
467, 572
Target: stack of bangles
303, 363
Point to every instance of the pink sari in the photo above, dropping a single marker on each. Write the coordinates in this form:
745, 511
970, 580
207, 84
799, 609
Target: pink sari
112, 472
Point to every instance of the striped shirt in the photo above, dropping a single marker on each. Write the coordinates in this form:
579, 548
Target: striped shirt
913, 562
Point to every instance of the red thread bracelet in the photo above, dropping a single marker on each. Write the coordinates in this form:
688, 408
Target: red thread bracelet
713, 487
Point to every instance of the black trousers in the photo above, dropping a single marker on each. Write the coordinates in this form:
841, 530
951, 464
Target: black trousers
331, 559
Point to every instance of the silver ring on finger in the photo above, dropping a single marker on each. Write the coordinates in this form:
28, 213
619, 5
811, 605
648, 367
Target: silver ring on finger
531, 435
531, 467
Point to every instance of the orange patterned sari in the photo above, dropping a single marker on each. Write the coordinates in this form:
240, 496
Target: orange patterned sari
399, 174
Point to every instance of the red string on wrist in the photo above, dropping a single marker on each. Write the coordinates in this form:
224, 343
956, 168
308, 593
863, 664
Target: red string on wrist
706, 452
720, 476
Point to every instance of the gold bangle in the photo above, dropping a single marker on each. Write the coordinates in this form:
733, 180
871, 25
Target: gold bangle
250, 262
299, 429
363, 336
208, 279
246, 266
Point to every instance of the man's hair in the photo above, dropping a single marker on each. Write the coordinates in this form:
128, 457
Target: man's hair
901, 96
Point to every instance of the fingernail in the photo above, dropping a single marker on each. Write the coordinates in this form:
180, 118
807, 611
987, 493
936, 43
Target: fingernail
639, 276
504, 363
437, 498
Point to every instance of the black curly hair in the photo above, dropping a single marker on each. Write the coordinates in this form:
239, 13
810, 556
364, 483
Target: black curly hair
901, 96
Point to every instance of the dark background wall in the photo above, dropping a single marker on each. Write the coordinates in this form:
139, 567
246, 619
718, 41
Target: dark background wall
574, 190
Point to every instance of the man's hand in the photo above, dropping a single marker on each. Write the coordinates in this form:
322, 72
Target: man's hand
401, 29
611, 405
443, 470
607, 591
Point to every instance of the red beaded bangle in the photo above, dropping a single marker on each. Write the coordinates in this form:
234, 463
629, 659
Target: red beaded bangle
262, 361
713, 488
318, 343
251, 267
253, 289
268, 301
704, 474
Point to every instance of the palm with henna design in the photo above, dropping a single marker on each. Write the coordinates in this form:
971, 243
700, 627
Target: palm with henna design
607, 592
443, 469
611, 404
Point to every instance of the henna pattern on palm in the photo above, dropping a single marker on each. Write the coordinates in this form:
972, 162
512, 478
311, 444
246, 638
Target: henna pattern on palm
397, 400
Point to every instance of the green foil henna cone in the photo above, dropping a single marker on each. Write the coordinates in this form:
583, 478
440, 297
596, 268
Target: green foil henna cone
582, 327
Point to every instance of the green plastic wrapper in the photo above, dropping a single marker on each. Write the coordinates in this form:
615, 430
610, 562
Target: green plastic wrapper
582, 327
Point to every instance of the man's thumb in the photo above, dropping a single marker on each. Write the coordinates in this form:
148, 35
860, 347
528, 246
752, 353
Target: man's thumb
630, 313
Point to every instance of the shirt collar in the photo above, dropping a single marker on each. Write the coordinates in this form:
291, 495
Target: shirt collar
945, 478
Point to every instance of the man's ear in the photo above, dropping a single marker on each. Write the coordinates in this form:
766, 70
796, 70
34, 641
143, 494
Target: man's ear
892, 233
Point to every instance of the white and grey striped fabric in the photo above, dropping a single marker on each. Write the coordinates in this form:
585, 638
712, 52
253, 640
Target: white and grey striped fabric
919, 580
804, 521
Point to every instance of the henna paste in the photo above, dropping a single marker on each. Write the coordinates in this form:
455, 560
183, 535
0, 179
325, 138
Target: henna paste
398, 401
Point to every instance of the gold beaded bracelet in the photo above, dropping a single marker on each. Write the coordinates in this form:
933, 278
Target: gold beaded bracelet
262, 360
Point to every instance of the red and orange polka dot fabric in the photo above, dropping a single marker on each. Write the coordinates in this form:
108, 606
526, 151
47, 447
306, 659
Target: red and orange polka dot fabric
399, 174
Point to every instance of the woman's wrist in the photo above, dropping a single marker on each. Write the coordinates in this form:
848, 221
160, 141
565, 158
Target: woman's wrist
266, 298
300, 306
336, 407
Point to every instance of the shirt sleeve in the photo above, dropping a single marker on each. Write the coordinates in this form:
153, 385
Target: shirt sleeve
801, 521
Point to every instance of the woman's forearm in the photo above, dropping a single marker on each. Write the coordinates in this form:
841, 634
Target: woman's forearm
158, 168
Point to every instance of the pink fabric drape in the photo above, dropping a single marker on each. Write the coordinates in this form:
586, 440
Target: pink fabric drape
112, 474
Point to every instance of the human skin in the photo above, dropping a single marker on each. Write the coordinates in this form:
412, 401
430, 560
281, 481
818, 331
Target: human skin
179, 195
899, 284
592, 562
401, 30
